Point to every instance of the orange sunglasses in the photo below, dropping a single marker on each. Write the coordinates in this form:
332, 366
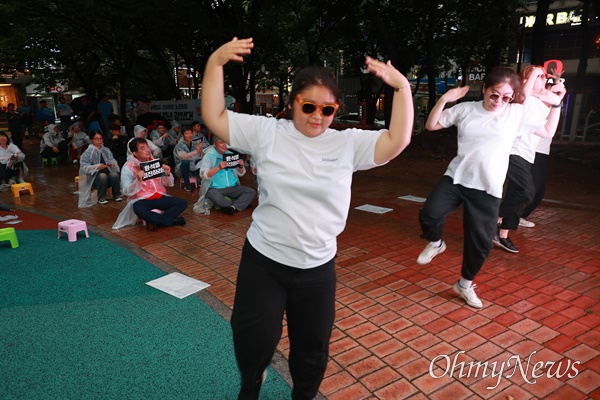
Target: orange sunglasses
308, 107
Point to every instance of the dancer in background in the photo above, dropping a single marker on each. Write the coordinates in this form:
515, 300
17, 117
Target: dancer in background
486, 132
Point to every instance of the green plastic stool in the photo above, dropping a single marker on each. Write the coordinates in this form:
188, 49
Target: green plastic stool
11, 235
53, 161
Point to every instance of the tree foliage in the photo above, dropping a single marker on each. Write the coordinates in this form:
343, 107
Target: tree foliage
131, 49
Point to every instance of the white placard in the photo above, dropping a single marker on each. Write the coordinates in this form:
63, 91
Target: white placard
373, 209
413, 198
178, 285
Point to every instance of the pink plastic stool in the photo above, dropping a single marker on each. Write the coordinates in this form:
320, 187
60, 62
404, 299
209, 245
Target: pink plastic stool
72, 226
193, 181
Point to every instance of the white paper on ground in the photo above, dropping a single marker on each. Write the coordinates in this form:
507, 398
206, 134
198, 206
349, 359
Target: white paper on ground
413, 198
373, 209
13, 222
178, 285
8, 217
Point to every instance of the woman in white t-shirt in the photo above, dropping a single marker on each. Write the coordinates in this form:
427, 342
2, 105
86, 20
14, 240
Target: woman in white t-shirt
304, 174
520, 186
486, 132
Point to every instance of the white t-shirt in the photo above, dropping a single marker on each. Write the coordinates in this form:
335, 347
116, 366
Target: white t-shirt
544, 146
484, 142
304, 185
526, 143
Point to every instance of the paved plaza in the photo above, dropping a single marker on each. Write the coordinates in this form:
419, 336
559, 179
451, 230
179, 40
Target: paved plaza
400, 330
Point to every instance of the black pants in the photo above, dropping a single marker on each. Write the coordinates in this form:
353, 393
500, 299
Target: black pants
7, 173
519, 192
265, 289
63, 149
480, 216
538, 172
172, 207
105, 180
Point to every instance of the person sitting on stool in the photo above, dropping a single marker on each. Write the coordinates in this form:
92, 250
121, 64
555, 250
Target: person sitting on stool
53, 144
147, 193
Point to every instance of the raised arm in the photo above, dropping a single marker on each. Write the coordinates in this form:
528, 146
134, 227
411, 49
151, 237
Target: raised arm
393, 141
452, 95
554, 100
213, 87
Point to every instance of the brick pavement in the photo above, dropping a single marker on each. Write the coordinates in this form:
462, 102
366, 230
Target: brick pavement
393, 316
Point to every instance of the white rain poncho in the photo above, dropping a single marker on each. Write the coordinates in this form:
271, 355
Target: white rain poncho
88, 170
137, 132
136, 190
6, 157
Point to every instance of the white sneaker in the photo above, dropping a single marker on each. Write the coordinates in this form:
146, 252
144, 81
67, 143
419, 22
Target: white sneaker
119, 198
526, 224
430, 251
11, 181
75, 161
469, 295
21, 180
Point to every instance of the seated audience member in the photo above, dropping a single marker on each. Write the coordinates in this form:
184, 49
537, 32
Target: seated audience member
53, 144
198, 135
162, 138
220, 180
175, 130
117, 143
146, 193
187, 153
140, 132
79, 142
12, 163
98, 170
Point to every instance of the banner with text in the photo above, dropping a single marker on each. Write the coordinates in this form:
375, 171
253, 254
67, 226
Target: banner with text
182, 111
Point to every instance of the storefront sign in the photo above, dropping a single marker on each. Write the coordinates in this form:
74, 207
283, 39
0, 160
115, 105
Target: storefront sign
564, 17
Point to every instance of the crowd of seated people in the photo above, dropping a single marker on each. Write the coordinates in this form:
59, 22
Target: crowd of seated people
102, 155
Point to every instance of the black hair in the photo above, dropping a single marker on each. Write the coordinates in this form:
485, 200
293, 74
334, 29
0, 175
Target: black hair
95, 132
314, 75
134, 144
8, 141
499, 75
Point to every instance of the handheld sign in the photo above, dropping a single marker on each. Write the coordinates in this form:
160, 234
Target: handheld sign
554, 67
232, 160
152, 169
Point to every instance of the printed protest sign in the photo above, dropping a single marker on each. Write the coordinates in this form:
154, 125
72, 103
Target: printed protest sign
152, 169
233, 159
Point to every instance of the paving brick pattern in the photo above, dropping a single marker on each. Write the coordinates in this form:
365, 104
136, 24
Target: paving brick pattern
400, 331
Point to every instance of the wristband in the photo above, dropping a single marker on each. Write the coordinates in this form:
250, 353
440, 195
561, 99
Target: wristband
559, 105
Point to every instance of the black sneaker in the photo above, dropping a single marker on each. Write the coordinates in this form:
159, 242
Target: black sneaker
506, 244
178, 221
228, 210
